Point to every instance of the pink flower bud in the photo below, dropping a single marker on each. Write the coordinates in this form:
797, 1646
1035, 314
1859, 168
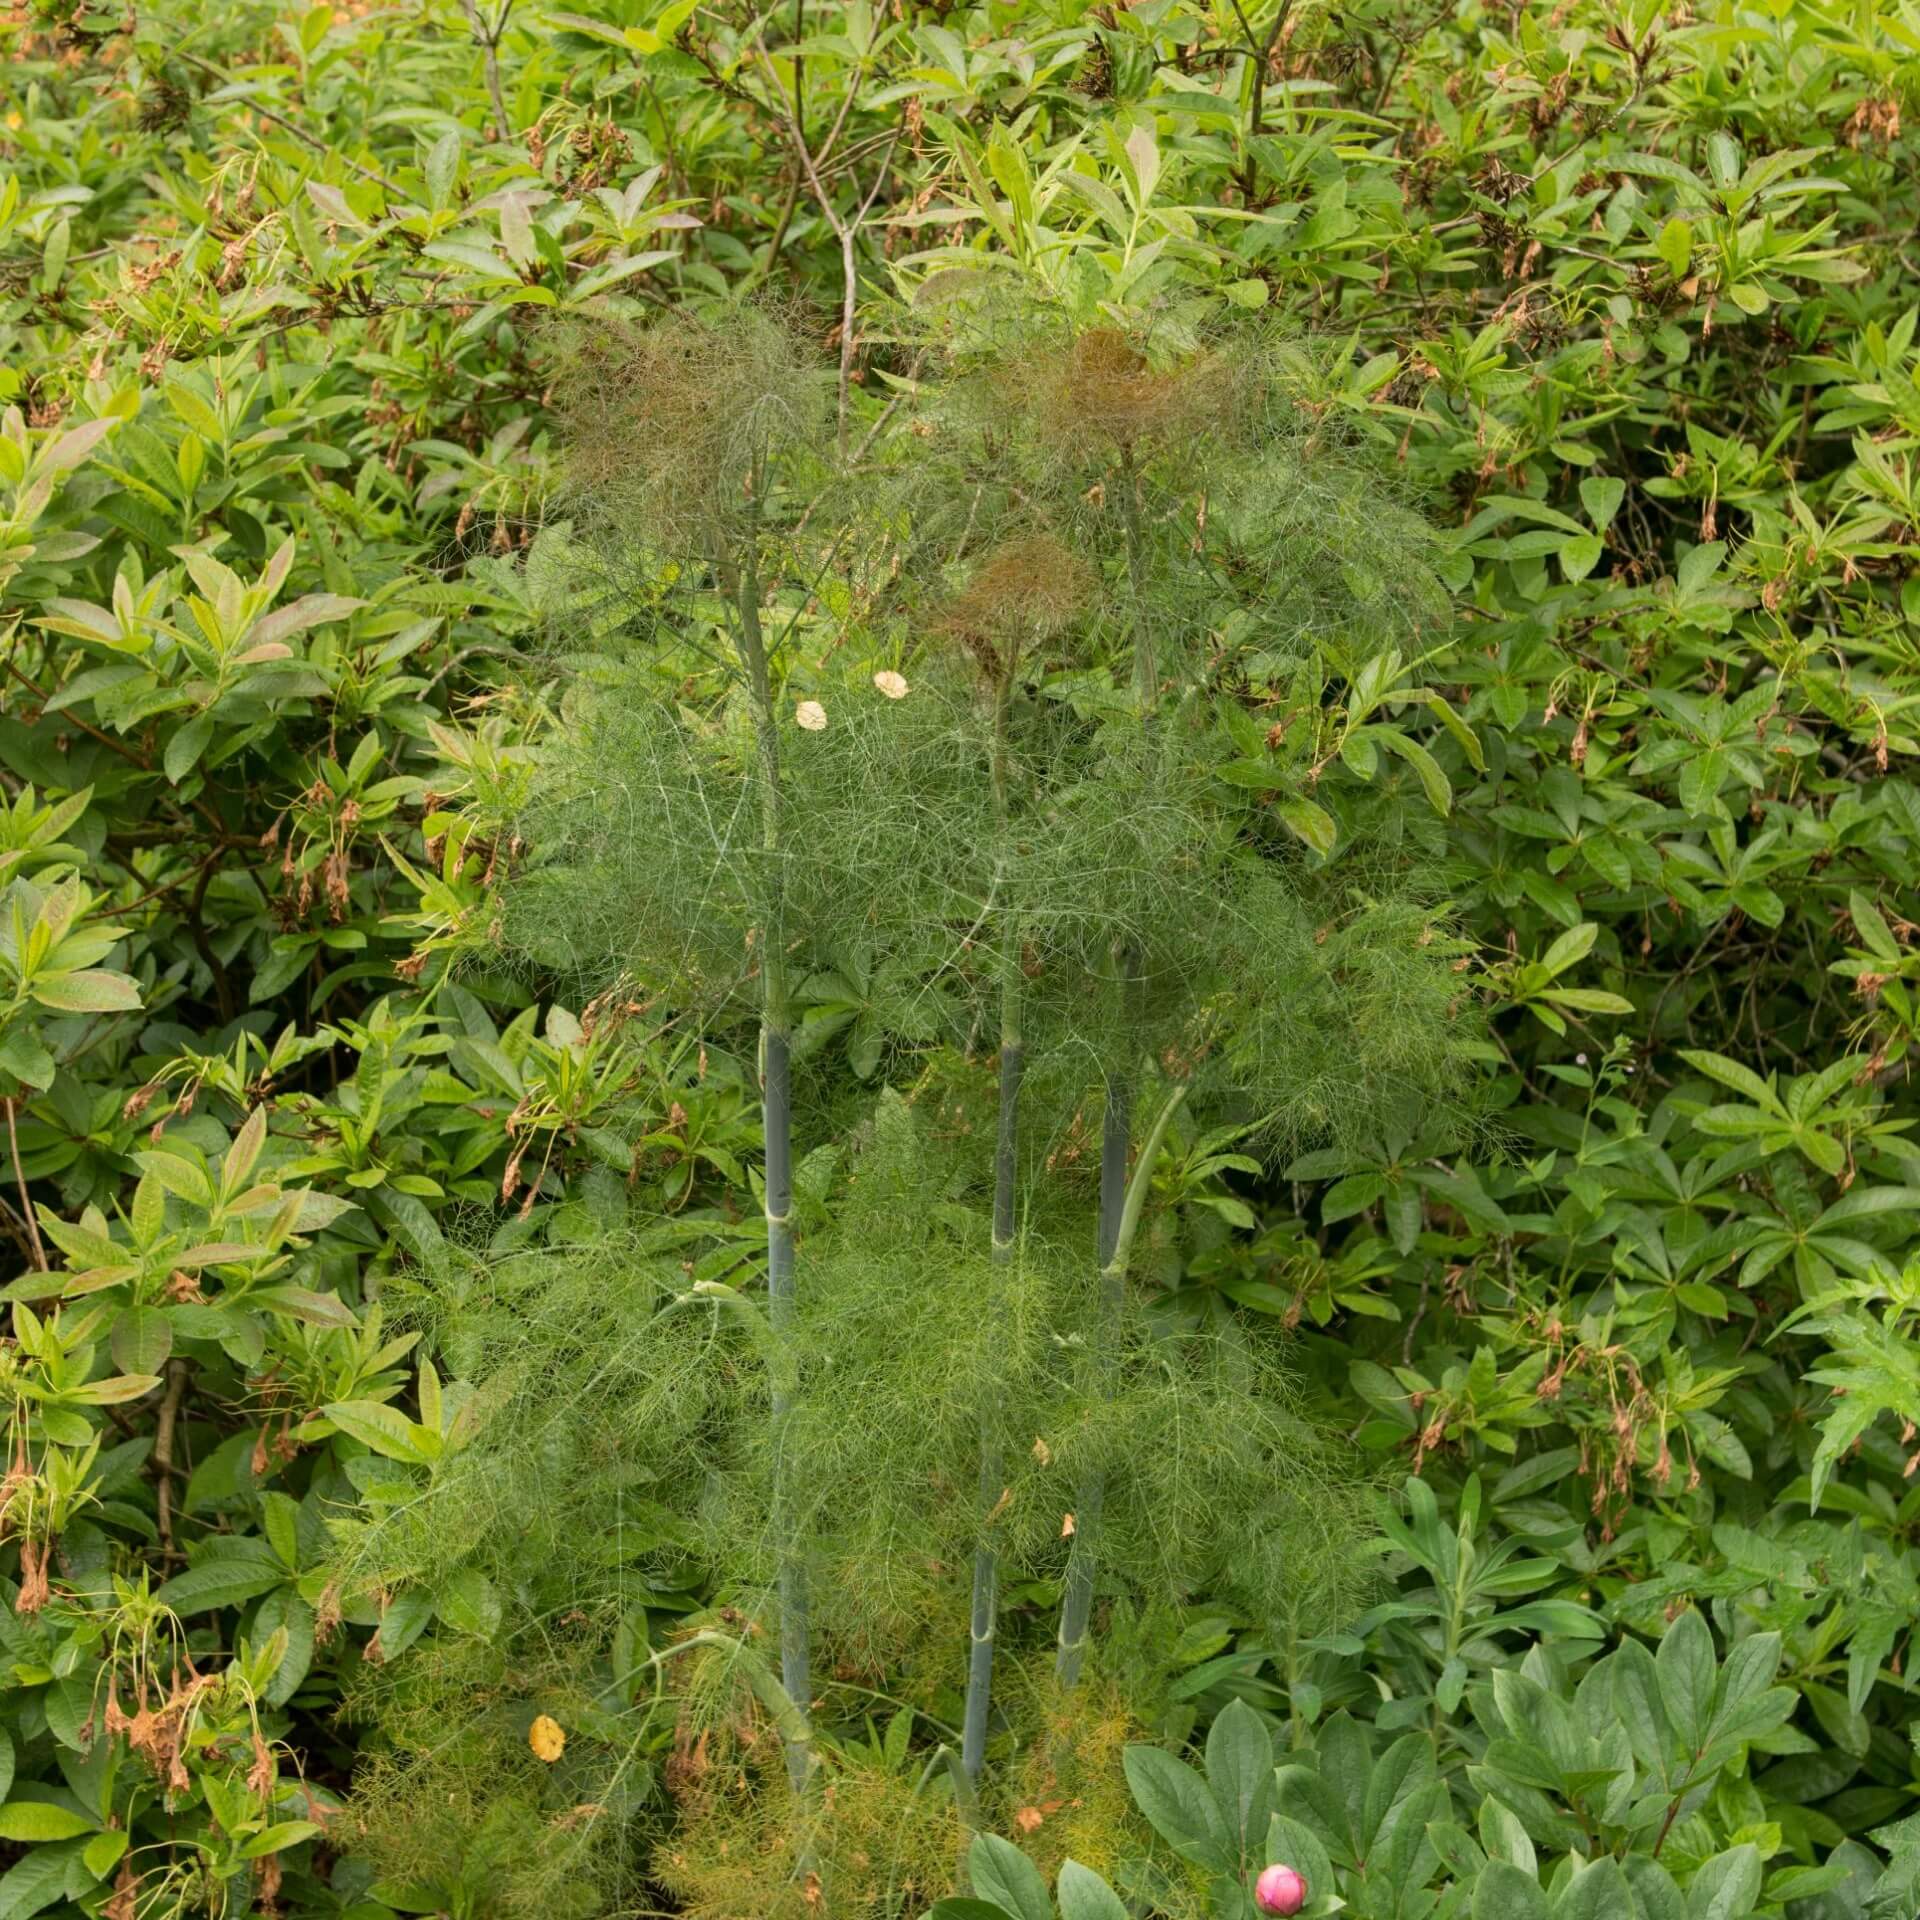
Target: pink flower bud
1280, 1889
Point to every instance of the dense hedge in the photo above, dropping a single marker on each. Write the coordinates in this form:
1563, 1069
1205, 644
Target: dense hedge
1622, 294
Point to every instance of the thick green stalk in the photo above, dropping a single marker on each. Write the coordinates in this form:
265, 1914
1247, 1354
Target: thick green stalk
986, 1568
973, 1726
1146, 665
1121, 1204
776, 1103
1076, 1607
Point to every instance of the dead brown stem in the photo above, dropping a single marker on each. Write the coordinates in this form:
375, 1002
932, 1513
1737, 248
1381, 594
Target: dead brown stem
26, 1199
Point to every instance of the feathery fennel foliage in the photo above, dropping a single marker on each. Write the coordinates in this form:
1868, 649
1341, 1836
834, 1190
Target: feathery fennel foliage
1014, 843
698, 446
618, 1456
1175, 474
566, 1504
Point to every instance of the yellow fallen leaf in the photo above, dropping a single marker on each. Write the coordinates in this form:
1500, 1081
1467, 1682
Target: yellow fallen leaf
547, 1738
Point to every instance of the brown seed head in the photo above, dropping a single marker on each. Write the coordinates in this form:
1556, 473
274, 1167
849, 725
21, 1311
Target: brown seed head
1026, 589
666, 425
1106, 386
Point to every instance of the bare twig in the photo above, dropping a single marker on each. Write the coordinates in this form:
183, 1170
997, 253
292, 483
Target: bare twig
1259, 51
874, 432
15, 1226
1403, 43
826, 169
163, 1467
26, 1199
299, 132
849, 233
781, 225
203, 944
800, 68
846, 231
164, 887
488, 39
106, 739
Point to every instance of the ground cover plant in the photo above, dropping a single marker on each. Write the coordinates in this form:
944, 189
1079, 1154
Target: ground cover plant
1287, 627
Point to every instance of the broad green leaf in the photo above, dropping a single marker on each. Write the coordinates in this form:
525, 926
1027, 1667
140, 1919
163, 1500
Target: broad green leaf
1433, 780
1675, 247
1747, 1673
1726, 1887
1570, 948
1580, 554
32, 1820
1600, 495
1730, 1073
215, 1584
1687, 1671
283, 1609
442, 169
469, 1604
1313, 823
1085, 1896
1503, 1892
179, 1176
1654, 1891
1590, 1000
1871, 925
32, 1884
86, 990
142, 1340
102, 1853
1295, 1842
1002, 1874
276, 1839
1505, 1837
23, 1056
1179, 1806
114, 1391
1598, 1891
1143, 152
385, 1429
185, 746
1240, 1774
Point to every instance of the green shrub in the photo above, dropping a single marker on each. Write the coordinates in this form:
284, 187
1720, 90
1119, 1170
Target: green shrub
1620, 296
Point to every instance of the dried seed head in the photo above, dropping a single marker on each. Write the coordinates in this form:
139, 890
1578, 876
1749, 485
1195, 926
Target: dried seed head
811, 715
1106, 386
1026, 589
668, 426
